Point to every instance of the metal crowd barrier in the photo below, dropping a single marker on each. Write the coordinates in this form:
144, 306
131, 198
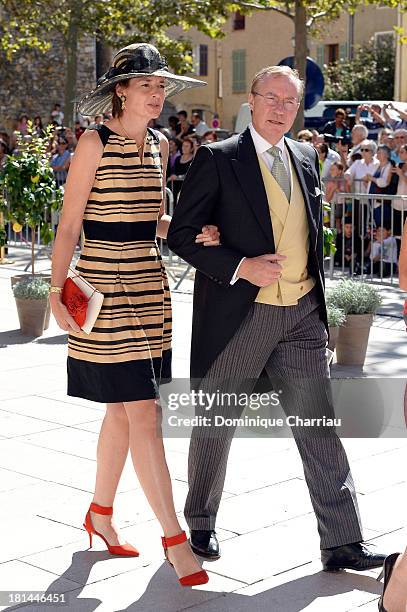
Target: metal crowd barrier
373, 256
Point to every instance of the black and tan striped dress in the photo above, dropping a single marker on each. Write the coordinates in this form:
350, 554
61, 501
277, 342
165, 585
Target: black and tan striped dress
128, 352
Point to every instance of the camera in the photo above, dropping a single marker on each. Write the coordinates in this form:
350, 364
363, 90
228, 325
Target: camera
329, 138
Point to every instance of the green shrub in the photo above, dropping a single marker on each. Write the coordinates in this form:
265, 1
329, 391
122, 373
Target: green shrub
354, 297
31, 289
336, 316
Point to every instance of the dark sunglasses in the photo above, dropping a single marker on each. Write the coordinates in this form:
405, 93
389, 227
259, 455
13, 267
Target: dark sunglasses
368, 150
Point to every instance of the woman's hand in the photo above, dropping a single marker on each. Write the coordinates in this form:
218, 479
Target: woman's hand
210, 236
61, 314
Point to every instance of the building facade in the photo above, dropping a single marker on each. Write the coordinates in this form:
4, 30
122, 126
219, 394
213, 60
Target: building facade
262, 39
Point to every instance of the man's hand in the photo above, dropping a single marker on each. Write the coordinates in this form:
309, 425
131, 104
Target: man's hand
210, 236
263, 270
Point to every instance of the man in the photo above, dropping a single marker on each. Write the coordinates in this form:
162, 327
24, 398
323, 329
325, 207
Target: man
400, 139
256, 308
201, 128
375, 124
338, 128
358, 135
184, 128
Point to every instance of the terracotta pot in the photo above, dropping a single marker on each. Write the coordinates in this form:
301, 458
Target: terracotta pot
47, 277
353, 338
333, 337
31, 314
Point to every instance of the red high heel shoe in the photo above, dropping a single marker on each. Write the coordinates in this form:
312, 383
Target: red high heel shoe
125, 550
192, 579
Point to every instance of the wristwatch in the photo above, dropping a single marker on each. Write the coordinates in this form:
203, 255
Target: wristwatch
55, 289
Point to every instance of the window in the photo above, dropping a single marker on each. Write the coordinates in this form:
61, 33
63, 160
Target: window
203, 60
239, 21
384, 38
333, 53
320, 55
239, 71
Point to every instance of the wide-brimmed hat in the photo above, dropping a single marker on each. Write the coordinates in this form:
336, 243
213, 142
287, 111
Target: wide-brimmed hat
137, 60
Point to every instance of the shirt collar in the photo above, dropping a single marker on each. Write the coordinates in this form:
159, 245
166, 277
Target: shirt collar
261, 144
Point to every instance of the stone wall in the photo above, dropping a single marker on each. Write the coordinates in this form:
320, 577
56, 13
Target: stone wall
33, 82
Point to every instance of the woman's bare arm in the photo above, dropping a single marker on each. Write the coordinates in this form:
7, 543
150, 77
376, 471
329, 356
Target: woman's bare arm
79, 183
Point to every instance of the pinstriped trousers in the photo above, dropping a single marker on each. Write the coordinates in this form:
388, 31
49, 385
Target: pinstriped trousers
289, 343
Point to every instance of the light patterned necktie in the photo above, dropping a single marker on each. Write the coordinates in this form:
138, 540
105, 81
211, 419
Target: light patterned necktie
279, 171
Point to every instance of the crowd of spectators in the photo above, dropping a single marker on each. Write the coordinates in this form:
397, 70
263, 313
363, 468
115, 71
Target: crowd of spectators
184, 135
362, 156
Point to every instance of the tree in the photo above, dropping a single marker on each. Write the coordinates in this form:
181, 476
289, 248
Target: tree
115, 22
368, 76
118, 22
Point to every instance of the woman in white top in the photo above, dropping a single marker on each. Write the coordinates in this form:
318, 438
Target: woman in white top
357, 182
356, 176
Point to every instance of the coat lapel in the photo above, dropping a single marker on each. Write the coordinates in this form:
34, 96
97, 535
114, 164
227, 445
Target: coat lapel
304, 172
248, 173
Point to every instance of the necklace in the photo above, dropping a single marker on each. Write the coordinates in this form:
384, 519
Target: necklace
126, 134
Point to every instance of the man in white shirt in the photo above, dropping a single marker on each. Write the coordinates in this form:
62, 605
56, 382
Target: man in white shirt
199, 124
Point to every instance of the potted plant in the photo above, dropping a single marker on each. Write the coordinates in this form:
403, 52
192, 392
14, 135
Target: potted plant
336, 318
329, 233
359, 301
31, 295
28, 192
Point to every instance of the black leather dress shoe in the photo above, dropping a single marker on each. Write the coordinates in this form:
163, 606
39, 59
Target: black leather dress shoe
205, 543
350, 556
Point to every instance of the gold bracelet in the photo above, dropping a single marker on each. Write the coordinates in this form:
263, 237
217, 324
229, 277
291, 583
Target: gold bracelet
55, 289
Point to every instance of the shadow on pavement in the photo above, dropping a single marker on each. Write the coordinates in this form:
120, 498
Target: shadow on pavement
162, 592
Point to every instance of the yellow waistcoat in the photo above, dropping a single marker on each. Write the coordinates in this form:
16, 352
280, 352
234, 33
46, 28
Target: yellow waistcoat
291, 238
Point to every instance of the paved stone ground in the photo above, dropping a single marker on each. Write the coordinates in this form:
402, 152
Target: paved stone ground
270, 547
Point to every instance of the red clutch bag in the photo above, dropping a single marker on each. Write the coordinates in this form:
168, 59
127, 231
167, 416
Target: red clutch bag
75, 301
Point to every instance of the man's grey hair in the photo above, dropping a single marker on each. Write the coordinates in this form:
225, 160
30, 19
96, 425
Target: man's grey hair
361, 128
278, 71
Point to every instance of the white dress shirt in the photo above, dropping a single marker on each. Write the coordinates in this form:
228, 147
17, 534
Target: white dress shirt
262, 145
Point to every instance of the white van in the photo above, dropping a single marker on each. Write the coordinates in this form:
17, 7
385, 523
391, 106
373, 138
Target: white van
319, 115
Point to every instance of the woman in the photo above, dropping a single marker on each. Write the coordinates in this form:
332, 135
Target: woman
400, 205
357, 181
394, 598
60, 161
3, 153
22, 125
181, 166
380, 183
38, 127
324, 161
115, 187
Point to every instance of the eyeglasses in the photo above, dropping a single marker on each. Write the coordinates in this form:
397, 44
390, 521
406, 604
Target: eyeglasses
366, 150
290, 104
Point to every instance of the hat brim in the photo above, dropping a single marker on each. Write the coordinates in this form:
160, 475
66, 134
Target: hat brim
99, 100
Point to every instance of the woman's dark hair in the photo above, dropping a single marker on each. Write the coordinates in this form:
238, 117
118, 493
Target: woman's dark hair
173, 120
384, 148
191, 142
323, 148
4, 146
116, 102
39, 121
340, 111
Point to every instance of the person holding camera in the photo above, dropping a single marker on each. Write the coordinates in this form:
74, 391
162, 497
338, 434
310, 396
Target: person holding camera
375, 124
337, 128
